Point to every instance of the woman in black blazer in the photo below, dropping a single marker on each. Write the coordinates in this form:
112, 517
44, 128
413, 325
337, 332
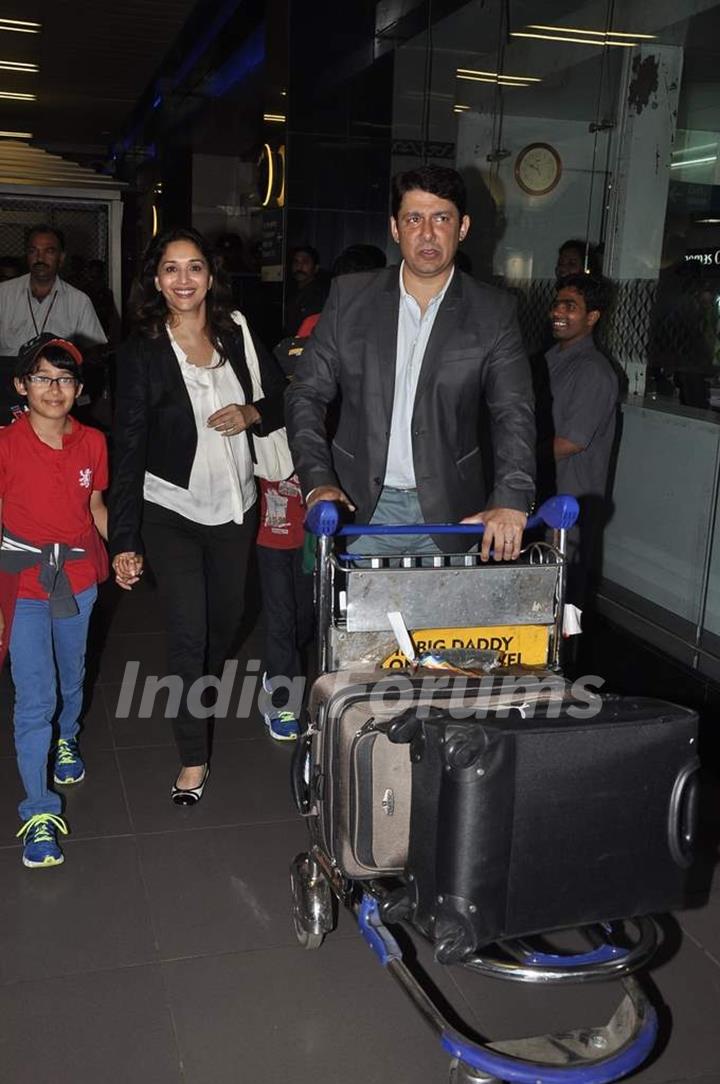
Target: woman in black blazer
183, 488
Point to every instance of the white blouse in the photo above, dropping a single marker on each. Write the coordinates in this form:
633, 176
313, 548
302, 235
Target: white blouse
222, 483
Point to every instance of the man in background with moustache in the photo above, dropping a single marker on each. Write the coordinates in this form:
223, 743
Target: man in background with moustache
42, 302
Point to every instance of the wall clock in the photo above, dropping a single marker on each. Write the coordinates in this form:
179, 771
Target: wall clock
538, 169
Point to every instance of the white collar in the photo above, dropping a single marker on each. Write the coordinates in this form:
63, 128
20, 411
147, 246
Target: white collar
436, 298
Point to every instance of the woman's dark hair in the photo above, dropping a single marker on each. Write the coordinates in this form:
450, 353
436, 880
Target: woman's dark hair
56, 355
439, 180
149, 310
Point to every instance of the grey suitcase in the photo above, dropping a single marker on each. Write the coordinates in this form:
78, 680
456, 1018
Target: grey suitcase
354, 781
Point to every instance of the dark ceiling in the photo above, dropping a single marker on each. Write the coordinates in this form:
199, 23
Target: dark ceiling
95, 58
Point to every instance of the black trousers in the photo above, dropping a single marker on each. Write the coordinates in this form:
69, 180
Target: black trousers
200, 572
288, 613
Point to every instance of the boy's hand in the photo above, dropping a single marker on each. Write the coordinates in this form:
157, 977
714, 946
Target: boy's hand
128, 568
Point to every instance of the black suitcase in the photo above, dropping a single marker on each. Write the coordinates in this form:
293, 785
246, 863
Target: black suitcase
359, 784
526, 825
545, 812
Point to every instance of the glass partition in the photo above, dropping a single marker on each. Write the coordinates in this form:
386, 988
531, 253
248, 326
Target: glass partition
594, 122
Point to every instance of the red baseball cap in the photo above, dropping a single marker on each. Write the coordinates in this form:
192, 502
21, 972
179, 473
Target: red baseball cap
31, 351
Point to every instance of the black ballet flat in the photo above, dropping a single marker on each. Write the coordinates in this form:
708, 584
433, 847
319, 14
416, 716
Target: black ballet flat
190, 795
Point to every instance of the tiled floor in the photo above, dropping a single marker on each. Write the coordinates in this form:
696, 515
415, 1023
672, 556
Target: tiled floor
162, 950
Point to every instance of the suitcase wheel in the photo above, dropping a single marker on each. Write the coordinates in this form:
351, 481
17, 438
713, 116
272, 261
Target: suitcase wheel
312, 903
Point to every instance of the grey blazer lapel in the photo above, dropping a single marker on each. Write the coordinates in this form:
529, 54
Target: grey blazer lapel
385, 340
445, 324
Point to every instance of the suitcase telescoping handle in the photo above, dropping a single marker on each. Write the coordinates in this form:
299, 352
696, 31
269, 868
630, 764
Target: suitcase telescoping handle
560, 513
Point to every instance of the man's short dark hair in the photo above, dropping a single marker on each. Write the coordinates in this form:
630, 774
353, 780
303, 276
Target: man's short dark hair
595, 291
359, 258
43, 228
438, 180
594, 257
309, 250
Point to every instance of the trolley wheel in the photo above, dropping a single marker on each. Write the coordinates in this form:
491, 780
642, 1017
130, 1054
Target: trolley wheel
312, 905
462, 1073
306, 939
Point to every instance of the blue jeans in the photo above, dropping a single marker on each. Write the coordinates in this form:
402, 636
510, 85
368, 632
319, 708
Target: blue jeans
395, 506
40, 645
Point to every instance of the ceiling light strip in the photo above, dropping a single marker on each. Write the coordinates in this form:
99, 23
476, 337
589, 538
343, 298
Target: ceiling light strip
694, 150
597, 33
20, 27
16, 135
483, 79
693, 162
577, 41
17, 66
10, 95
461, 72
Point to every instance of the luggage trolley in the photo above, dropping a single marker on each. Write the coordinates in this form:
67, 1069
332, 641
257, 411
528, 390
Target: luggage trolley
353, 598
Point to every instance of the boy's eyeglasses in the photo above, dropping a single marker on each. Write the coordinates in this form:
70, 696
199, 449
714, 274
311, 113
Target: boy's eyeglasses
48, 381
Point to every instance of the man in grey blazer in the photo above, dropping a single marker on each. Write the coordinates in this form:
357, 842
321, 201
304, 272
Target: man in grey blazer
427, 362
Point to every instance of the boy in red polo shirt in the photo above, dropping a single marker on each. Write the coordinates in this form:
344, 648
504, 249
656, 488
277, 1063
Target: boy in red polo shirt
53, 471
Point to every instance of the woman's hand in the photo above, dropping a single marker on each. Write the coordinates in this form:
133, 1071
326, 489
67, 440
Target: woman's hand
233, 419
128, 568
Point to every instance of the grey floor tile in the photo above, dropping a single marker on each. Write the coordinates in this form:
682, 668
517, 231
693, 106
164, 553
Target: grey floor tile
111, 1026
510, 1010
6, 708
94, 807
11, 792
148, 648
221, 890
88, 914
703, 926
95, 732
128, 729
249, 784
311, 1017
689, 986
128, 612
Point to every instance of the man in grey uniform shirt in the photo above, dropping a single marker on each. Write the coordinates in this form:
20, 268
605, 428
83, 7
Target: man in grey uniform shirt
41, 301
583, 391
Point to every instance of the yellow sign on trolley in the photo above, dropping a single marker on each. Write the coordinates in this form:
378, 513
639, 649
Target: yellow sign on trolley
525, 645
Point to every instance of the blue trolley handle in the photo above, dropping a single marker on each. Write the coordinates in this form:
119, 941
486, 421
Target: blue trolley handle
559, 513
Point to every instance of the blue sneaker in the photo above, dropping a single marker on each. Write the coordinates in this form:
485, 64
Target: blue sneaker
69, 765
40, 845
283, 726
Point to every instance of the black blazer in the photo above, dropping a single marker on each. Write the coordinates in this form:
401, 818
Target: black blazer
155, 428
474, 374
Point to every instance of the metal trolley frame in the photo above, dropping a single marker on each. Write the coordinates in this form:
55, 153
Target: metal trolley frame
353, 597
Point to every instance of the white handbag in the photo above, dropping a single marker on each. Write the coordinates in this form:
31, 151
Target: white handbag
273, 461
